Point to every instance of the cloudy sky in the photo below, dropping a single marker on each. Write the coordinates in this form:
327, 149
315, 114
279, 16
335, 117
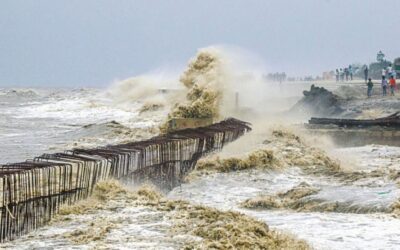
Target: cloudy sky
93, 42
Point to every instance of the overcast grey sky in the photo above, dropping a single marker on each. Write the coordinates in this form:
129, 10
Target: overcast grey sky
93, 42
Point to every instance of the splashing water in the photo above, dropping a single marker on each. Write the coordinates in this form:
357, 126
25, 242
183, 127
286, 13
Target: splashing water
281, 178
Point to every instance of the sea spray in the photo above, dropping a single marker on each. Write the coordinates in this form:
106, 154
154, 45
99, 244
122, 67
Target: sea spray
210, 87
203, 80
150, 107
285, 149
145, 88
282, 149
112, 132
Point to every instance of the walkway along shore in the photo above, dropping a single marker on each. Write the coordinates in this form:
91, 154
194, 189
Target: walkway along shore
33, 191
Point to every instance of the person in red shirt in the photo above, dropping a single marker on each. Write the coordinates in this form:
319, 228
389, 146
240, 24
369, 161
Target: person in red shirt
392, 83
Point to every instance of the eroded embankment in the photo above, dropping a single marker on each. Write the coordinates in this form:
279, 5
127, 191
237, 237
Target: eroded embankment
185, 225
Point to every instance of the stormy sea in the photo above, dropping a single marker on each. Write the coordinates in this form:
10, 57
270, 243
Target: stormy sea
285, 184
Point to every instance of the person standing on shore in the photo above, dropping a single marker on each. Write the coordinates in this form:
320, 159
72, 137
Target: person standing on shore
337, 75
370, 84
346, 72
383, 73
366, 73
389, 71
341, 73
384, 86
392, 83
351, 73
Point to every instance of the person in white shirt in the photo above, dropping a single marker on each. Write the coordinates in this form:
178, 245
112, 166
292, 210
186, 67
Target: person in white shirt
383, 73
389, 71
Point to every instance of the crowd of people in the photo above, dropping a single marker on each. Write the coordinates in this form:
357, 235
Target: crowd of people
388, 79
387, 73
384, 84
344, 73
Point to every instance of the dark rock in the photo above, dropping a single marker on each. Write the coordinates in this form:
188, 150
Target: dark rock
318, 101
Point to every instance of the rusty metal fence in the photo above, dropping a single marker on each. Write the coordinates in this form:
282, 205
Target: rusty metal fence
33, 191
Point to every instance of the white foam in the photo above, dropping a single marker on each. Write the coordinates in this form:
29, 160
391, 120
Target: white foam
321, 230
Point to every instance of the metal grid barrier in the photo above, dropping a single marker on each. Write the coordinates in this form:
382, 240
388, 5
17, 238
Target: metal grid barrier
33, 191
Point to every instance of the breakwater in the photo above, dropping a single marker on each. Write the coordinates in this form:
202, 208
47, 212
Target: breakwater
32, 192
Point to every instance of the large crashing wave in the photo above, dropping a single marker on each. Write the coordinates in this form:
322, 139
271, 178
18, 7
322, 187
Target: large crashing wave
207, 88
203, 80
205, 84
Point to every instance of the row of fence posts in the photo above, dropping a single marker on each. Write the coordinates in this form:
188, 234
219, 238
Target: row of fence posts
33, 191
